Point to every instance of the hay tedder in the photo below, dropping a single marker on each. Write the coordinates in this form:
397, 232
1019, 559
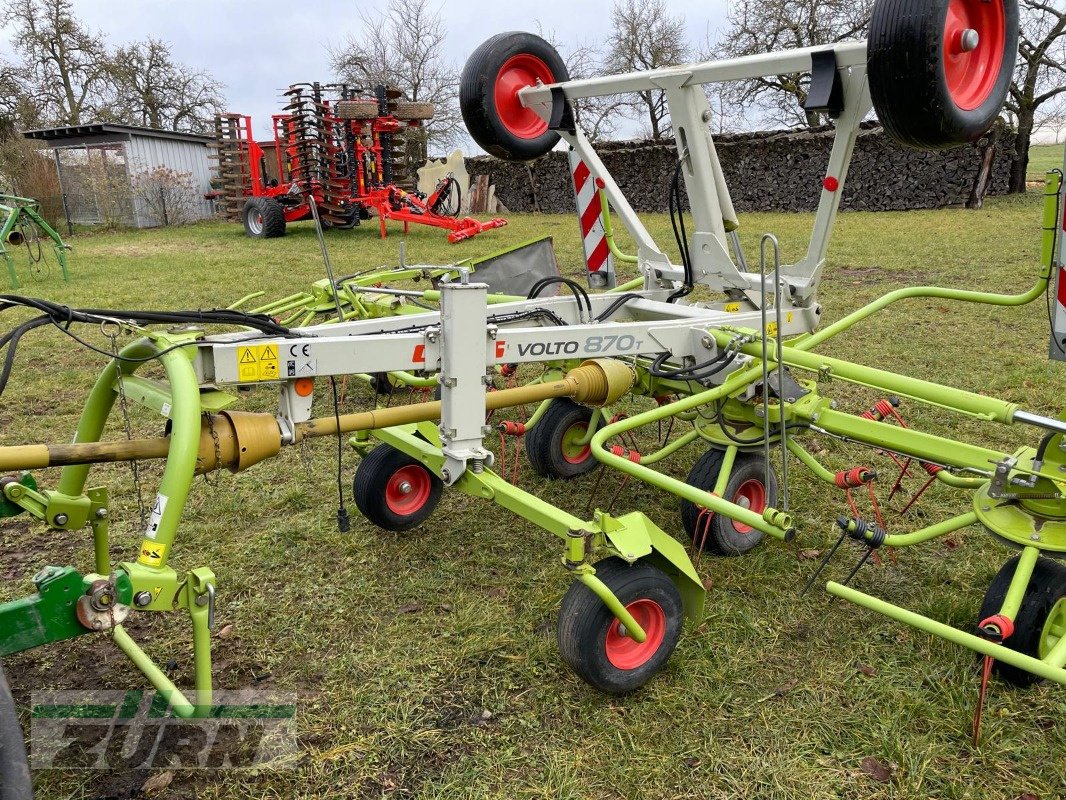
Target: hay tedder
739, 375
337, 151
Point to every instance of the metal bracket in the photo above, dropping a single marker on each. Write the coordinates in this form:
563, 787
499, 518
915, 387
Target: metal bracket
826, 95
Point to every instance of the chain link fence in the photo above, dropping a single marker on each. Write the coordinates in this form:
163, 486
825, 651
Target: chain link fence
95, 182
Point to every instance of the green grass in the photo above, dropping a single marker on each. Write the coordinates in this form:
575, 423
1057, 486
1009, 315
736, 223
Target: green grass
1042, 158
397, 643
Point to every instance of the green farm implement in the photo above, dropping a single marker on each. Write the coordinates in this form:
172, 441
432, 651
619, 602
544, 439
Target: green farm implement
24, 226
740, 374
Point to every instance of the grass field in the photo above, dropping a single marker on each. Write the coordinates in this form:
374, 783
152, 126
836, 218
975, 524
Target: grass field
1043, 157
426, 662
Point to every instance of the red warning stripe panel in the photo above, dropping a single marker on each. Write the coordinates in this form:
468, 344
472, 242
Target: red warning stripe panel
599, 256
590, 216
1061, 292
581, 174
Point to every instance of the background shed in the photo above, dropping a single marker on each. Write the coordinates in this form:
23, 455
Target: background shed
101, 170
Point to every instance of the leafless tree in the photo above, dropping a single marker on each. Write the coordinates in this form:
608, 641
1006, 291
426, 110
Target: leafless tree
167, 196
759, 26
403, 45
64, 65
152, 89
1040, 76
644, 35
598, 116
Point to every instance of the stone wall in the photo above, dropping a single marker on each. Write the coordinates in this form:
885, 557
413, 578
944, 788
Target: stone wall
776, 171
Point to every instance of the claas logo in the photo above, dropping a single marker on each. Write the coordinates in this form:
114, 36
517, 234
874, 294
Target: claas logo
419, 354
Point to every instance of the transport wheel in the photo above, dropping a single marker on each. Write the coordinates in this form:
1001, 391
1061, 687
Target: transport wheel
940, 70
746, 487
264, 218
1041, 621
15, 782
356, 109
406, 110
553, 444
594, 643
394, 491
488, 95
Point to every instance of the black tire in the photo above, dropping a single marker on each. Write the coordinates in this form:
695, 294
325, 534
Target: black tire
519, 134
1047, 587
15, 781
406, 110
394, 491
926, 99
589, 635
264, 218
746, 482
549, 442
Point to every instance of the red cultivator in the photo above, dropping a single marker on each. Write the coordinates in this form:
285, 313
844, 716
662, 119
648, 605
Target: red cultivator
346, 152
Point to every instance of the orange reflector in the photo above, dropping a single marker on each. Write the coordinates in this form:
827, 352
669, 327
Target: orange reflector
304, 386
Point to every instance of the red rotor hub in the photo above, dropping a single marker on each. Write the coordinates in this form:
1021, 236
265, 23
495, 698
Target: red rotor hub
626, 653
752, 496
516, 74
975, 32
408, 490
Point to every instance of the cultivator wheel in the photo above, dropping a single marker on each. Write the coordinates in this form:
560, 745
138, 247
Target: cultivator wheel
940, 70
594, 643
488, 95
748, 487
356, 109
393, 491
555, 444
263, 218
413, 111
1041, 620
233, 170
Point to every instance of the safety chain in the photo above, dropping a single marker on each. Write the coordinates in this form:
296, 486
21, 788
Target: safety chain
111, 329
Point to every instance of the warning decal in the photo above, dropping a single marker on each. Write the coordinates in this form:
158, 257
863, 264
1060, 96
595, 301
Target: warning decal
258, 363
152, 553
247, 364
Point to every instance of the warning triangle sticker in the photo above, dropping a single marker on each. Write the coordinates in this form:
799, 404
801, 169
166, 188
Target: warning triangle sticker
270, 353
248, 357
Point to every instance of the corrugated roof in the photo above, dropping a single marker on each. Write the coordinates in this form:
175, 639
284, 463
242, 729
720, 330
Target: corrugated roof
102, 128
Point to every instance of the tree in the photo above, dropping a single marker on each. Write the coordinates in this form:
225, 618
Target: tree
597, 116
152, 89
644, 35
64, 66
403, 46
1039, 76
760, 26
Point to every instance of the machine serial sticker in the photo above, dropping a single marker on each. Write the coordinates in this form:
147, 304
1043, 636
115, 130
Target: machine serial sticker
258, 363
156, 516
152, 553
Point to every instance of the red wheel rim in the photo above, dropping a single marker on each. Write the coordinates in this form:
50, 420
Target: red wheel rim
626, 653
517, 73
751, 495
975, 32
407, 490
573, 451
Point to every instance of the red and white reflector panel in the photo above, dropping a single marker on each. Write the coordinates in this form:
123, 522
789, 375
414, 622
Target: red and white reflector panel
598, 257
1058, 308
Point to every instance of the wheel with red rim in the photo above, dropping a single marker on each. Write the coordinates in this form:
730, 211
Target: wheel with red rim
1040, 622
489, 99
597, 646
264, 218
394, 491
557, 444
747, 487
940, 70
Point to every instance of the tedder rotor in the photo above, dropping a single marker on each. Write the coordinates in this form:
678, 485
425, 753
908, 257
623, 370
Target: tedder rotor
740, 373
343, 149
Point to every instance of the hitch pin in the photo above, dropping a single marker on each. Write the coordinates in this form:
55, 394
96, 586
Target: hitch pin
209, 599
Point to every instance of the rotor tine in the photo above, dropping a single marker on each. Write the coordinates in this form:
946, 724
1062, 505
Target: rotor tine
825, 561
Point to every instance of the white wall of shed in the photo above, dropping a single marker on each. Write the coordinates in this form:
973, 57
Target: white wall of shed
149, 152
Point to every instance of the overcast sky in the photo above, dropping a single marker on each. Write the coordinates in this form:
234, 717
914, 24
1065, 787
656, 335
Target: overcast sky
258, 48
